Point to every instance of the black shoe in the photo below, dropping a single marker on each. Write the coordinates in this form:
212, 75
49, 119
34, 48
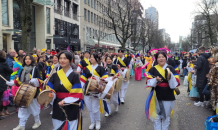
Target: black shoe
1, 118
122, 102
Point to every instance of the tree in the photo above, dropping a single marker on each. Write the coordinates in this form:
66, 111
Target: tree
26, 22
187, 43
119, 13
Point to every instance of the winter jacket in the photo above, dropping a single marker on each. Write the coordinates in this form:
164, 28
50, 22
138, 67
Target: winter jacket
10, 60
184, 63
202, 67
5, 71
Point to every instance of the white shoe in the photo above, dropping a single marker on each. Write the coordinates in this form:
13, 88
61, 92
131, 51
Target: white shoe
199, 104
196, 103
117, 108
122, 100
92, 126
36, 125
19, 128
98, 125
106, 114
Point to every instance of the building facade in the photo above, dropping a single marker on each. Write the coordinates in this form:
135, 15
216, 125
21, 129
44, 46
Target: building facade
10, 25
152, 13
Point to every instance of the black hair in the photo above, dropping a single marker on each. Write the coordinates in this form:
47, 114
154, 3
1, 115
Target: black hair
109, 57
87, 52
160, 52
58, 50
149, 53
39, 58
121, 50
67, 54
55, 56
51, 57
31, 58
97, 58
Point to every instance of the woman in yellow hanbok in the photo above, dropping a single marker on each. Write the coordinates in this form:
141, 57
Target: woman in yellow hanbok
148, 59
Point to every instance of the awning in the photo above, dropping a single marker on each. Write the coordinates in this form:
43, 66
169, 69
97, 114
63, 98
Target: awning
44, 2
93, 42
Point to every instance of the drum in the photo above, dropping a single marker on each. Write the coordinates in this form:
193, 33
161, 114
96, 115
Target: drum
118, 83
110, 92
92, 86
25, 95
44, 98
127, 76
167, 74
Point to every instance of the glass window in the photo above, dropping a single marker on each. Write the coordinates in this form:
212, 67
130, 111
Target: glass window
84, 14
88, 2
91, 3
84, 1
48, 19
97, 19
89, 16
94, 18
94, 3
5, 12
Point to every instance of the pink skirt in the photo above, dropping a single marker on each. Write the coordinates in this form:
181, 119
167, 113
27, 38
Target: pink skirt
5, 103
138, 73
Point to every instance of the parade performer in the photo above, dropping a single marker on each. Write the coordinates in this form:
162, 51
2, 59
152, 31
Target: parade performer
29, 74
67, 93
112, 70
148, 59
143, 62
138, 68
83, 63
123, 63
92, 101
162, 94
17, 67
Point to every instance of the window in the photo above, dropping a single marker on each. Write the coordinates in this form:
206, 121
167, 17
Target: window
89, 16
94, 3
85, 14
91, 3
97, 19
84, 1
48, 20
94, 18
5, 12
88, 2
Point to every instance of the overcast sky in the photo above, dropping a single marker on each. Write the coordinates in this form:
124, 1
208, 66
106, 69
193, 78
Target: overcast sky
175, 16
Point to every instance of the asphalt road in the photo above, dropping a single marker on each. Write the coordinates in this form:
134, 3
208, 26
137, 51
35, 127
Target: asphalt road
130, 115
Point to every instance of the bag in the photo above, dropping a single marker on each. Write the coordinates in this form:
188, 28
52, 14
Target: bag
211, 125
193, 80
206, 91
185, 82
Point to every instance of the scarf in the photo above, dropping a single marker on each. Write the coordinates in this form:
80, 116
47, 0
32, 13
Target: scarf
109, 67
25, 77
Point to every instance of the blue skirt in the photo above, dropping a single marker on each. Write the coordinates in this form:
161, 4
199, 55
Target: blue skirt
194, 92
143, 71
131, 72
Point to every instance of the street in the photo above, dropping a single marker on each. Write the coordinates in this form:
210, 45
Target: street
131, 115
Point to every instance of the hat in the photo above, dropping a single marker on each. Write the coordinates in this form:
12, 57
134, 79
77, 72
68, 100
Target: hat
34, 55
43, 50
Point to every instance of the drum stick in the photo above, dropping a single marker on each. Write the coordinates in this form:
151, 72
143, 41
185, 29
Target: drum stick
79, 104
3, 78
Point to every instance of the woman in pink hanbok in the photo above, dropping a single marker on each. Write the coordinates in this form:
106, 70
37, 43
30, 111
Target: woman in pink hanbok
138, 68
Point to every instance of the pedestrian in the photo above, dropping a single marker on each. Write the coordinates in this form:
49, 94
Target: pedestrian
164, 89
123, 63
29, 74
112, 71
5, 102
17, 67
138, 68
5, 71
10, 58
184, 65
92, 102
47, 54
63, 94
202, 67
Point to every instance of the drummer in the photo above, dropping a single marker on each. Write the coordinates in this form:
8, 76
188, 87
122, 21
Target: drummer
29, 74
92, 102
123, 63
66, 88
112, 70
83, 63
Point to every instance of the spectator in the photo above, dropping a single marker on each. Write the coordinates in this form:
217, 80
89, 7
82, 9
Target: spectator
5, 71
20, 53
47, 54
38, 53
202, 67
10, 58
184, 64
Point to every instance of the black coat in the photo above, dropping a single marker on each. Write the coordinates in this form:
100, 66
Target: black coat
184, 63
5, 71
202, 66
